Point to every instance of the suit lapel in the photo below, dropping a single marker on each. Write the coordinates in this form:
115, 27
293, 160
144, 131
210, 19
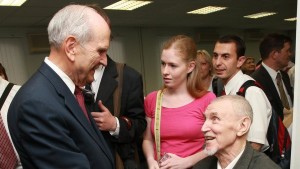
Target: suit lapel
269, 86
287, 84
73, 106
245, 158
108, 83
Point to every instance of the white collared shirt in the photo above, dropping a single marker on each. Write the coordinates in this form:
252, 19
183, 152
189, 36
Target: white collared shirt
97, 79
260, 104
273, 75
233, 162
61, 74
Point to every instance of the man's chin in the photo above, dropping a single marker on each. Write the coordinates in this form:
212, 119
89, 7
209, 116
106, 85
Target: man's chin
210, 151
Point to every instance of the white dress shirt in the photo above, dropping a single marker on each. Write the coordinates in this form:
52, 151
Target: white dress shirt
233, 162
273, 75
262, 110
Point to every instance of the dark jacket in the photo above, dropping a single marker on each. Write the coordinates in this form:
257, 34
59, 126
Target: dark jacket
132, 107
50, 130
262, 76
250, 159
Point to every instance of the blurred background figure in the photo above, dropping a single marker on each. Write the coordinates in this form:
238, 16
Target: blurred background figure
248, 66
3, 72
9, 158
206, 69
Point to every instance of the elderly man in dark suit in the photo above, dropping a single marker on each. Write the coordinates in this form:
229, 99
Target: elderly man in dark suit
48, 124
228, 119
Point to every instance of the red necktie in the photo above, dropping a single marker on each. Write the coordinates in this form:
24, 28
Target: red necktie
8, 159
80, 100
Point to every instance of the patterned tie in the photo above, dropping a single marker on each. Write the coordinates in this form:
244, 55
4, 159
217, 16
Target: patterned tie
283, 96
8, 159
80, 100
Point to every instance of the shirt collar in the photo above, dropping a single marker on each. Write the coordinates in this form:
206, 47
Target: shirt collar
271, 71
61, 74
233, 162
231, 84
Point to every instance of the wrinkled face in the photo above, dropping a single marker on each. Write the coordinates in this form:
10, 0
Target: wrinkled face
249, 65
174, 69
92, 54
283, 56
205, 68
225, 61
220, 127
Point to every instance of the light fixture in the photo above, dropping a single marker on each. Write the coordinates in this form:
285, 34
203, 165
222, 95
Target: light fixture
127, 5
260, 15
207, 10
291, 19
11, 2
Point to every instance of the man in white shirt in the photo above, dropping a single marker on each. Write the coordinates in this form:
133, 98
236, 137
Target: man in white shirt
228, 120
228, 57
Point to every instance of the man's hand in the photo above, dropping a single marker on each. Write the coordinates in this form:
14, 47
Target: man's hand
104, 119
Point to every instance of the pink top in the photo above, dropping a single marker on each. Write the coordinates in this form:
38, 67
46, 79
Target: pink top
180, 128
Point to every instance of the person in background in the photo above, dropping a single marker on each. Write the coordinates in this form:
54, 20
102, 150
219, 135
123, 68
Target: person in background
228, 58
228, 120
3, 72
206, 69
176, 110
275, 51
48, 122
120, 131
12, 160
248, 66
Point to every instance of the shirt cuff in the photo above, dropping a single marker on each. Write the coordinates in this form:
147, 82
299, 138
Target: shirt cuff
117, 131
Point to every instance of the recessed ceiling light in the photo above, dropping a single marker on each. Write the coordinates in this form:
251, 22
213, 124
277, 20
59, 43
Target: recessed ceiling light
207, 10
260, 15
11, 2
291, 19
127, 5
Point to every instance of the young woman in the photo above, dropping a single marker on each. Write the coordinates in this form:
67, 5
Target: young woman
182, 104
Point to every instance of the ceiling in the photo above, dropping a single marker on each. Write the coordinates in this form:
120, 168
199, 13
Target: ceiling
37, 13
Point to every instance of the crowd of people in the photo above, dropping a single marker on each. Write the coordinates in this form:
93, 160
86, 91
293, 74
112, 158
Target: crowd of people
81, 109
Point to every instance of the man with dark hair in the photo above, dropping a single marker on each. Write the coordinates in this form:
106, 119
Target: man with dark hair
120, 129
47, 119
228, 57
275, 50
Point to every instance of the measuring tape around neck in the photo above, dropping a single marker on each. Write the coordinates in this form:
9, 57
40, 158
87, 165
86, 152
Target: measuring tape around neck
157, 122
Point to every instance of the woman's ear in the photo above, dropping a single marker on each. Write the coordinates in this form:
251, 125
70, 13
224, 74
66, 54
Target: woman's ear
191, 66
70, 47
244, 126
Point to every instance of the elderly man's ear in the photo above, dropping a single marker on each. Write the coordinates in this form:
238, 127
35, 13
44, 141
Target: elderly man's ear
244, 126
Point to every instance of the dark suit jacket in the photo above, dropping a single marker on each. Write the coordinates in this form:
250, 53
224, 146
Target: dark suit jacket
250, 159
132, 106
262, 76
50, 130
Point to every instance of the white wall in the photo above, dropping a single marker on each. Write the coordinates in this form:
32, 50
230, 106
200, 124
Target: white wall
139, 48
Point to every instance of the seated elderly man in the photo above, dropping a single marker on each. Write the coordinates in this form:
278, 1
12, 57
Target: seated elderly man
228, 119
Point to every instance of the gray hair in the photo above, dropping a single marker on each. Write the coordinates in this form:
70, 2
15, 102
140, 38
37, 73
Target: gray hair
71, 20
239, 104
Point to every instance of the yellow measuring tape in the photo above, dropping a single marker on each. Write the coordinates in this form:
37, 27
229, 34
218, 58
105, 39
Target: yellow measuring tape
157, 122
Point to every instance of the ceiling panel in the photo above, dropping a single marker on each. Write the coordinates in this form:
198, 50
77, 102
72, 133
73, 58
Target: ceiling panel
36, 13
